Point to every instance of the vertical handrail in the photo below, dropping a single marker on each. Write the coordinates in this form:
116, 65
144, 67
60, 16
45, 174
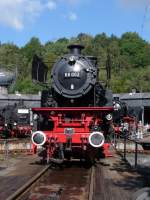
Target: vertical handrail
6, 150
125, 137
114, 139
125, 147
136, 154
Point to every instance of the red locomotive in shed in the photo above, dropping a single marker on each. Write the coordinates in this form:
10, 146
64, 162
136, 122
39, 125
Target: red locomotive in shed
75, 118
15, 121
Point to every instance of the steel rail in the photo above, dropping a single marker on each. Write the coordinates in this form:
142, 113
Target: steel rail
27, 185
91, 185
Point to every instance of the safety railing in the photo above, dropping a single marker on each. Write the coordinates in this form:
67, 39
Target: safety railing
134, 145
9, 146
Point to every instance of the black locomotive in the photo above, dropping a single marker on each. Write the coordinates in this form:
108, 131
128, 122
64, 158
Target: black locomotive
75, 119
74, 81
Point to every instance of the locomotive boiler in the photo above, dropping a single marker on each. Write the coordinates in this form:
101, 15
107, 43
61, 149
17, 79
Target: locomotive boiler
75, 82
75, 117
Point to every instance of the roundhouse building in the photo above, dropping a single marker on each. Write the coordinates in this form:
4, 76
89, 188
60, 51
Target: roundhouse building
138, 104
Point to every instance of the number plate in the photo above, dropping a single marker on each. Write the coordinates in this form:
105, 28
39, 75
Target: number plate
72, 75
69, 131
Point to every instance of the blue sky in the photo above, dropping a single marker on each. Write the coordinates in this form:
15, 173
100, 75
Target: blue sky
53, 19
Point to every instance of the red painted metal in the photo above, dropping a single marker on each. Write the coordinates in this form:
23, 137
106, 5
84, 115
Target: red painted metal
34, 148
117, 129
21, 130
107, 152
80, 120
73, 109
1, 130
132, 124
129, 119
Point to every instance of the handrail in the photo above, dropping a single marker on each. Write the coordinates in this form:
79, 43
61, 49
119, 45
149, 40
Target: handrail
125, 137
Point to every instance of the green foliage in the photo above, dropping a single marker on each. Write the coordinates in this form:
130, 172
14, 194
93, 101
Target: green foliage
135, 48
9, 56
32, 47
26, 85
129, 57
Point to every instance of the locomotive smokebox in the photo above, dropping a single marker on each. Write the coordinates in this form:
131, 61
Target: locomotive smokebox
75, 49
73, 75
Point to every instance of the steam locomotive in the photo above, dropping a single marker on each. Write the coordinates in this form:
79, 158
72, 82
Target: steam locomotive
15, 121
75, 118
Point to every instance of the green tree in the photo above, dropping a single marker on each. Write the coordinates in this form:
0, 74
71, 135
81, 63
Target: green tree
102, 40
31, 48
9, 56
133, 46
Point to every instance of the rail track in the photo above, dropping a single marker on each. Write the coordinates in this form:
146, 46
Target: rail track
26, 186
133, 151
74, 183
109, 179
54, 183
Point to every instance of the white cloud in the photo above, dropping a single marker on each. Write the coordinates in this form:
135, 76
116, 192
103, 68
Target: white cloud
18, 13
51, 5
15, 13
72, 16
